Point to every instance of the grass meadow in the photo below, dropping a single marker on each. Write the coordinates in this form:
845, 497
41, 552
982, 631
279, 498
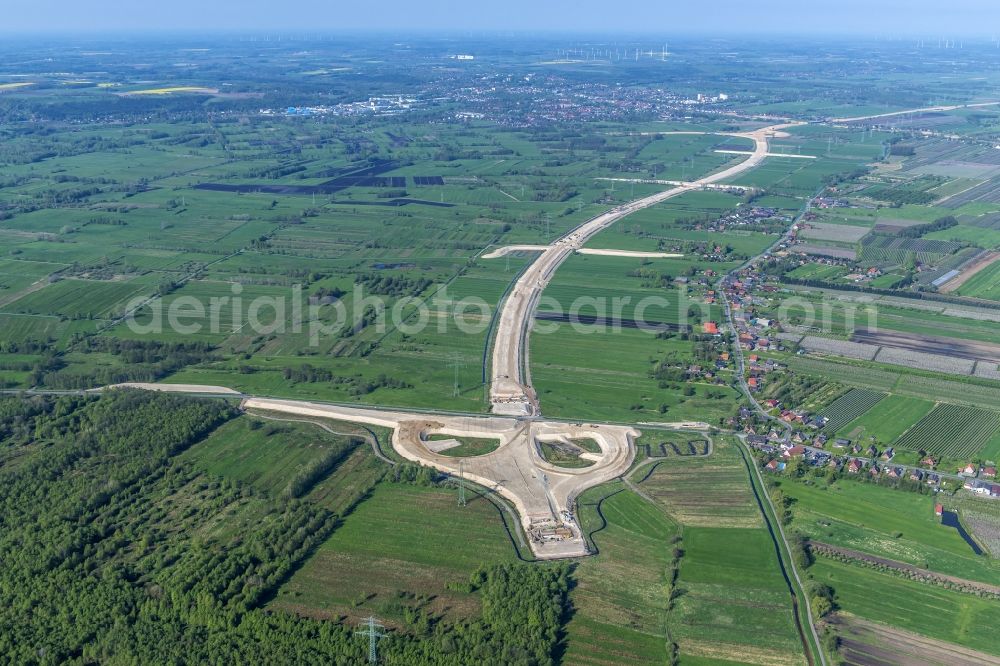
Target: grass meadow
928, 610
887, 523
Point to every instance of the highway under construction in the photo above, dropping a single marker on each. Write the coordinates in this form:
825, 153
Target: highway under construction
544, 494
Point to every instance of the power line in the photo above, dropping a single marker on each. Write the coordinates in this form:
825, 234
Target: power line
371, 630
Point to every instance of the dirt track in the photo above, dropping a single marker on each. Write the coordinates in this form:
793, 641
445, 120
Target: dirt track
981, 264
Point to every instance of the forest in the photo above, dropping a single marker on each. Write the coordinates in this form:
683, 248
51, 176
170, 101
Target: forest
117, 550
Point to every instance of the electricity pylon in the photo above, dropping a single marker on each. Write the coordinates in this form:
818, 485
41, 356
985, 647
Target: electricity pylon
461, 482
372, 631
456, 363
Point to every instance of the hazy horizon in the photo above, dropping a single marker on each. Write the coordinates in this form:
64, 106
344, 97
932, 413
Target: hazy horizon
725, 17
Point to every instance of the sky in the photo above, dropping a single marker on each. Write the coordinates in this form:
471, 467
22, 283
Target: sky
666, 17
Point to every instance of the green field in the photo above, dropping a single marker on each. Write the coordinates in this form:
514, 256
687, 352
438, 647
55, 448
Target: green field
887, 420
659, 443
984, 284
923, 609
267, 455
707, 491
79, 298
726, 555
721, 566
913, 384
849, 406
403, 546
887, 523
577, 378
619, 600
952, 430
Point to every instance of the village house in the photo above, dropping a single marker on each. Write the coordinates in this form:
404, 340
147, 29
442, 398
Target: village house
979, 487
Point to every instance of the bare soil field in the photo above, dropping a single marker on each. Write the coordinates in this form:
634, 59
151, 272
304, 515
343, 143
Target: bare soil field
855, 349
889, 225
987, 370
951, 347
868, 644
825, 251
908, 358
968, 272
841, 233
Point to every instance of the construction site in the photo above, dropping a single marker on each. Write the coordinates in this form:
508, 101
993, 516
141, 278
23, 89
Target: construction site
542, 492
